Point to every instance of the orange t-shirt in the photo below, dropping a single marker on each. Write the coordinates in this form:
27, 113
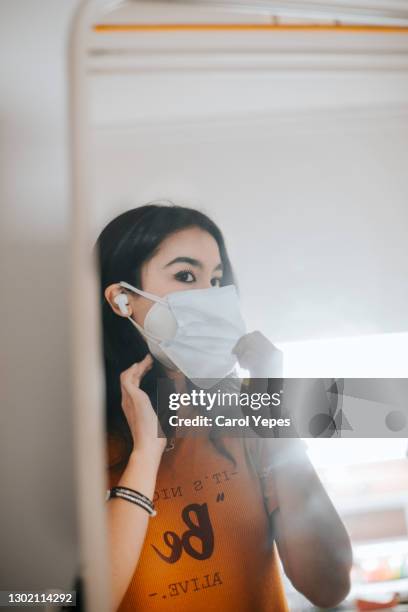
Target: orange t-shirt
210, 546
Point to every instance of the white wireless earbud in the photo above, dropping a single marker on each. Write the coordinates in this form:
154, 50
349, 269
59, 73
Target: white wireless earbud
122, 302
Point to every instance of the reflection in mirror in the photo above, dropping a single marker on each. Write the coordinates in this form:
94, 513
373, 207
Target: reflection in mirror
217, 147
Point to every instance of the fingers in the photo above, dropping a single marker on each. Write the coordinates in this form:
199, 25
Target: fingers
250, 340
238, 347
242, 343
146, 364
134, 374
247, 358
258, 355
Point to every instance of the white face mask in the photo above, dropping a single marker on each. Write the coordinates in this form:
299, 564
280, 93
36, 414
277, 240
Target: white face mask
194, 331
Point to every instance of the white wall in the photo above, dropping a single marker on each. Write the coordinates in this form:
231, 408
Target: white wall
296, 143
37, 516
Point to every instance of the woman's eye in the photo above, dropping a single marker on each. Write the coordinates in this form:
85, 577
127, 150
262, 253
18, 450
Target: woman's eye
185, 276
216, 282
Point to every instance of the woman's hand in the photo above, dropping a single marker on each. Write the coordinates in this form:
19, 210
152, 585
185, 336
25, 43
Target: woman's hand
139, 412
258, 355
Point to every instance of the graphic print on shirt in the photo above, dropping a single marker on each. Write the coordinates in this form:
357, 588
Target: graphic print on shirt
197, 540
201, 529
210, 547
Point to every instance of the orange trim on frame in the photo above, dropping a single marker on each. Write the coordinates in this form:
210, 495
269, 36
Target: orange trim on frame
104, 28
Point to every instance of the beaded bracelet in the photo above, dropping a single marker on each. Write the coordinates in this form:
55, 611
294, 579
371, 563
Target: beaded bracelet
134, 492
133, 496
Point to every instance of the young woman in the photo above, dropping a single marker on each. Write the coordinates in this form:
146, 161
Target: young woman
225, 506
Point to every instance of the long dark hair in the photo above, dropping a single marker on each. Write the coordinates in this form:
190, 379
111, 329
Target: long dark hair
126, 243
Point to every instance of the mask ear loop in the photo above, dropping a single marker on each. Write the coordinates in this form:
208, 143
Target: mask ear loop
149, 296
144, 333
146, 294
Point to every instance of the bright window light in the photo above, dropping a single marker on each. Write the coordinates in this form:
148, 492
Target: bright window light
338, 453
376, 356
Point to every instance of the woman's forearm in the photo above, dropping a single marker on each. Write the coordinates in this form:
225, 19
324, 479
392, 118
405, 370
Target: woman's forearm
127, 522
312, 540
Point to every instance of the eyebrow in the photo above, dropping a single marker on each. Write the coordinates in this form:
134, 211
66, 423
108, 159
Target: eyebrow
193, 262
